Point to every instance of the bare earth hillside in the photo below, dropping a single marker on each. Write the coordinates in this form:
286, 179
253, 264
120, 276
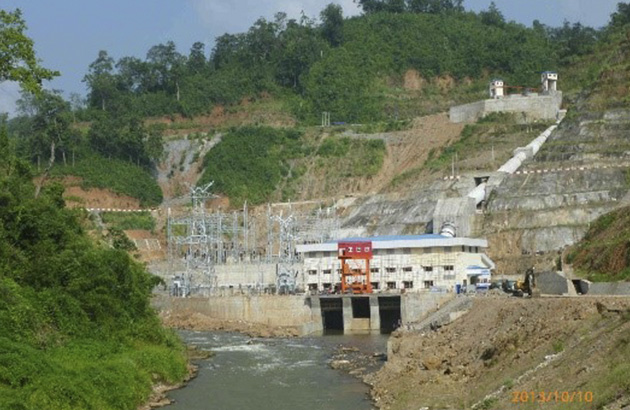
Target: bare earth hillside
505, 346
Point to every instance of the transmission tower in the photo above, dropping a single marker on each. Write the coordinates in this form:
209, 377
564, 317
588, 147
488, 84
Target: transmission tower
196, 246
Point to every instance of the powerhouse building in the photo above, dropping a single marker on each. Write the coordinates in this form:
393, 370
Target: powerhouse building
409, 262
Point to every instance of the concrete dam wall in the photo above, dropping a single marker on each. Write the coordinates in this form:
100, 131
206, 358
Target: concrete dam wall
314, 314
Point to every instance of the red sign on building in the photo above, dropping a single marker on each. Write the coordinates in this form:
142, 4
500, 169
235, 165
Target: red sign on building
355, 250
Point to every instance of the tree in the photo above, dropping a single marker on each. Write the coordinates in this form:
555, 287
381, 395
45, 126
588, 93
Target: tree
51, 117
133, 75
332, 24
100, 79
492, 16
621, 17
435, 6
301, 46
167, 66
197, 58
18, 61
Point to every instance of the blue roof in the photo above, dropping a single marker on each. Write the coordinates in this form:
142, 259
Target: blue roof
391, 238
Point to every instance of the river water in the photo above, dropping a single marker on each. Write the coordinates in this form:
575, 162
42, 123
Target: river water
273, 374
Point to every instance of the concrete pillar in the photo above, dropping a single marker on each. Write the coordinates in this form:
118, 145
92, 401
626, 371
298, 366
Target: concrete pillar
316, 315
375, 314
404, 309
346, 304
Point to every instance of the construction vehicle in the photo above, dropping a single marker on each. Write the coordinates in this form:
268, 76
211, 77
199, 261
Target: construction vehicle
527, 285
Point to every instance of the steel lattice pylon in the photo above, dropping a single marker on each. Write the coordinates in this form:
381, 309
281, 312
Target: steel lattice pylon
199, 271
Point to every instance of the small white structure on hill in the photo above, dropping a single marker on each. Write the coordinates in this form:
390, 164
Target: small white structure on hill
544, 106
549, 80
496, 88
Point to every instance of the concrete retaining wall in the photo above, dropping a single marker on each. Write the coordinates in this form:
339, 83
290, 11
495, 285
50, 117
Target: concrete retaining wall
552, 283
534, 107
246, 274
415, 307
612, 288
272, 310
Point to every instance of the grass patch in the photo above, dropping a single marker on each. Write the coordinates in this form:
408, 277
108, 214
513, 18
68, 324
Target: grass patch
558, 346
118, 176
129, 220
260, 164
603, 255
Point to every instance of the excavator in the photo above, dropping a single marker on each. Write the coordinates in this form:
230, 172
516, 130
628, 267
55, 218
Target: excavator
525, 286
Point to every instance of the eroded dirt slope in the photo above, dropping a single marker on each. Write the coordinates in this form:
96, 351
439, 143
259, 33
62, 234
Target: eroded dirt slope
505, 346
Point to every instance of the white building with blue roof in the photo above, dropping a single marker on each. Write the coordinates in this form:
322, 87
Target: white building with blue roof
409, 262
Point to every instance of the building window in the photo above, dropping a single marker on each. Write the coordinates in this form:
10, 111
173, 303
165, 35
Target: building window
312, 272
407, 269
449, 268
374, 270
427, 268
327, 271
408, 284
320, 254
327, 286
406, 251
463, 248
428, 284
390, 251
390, 270
476, 249
375, 285
447, 249
312, 286
428, 250
391, 285
338, 271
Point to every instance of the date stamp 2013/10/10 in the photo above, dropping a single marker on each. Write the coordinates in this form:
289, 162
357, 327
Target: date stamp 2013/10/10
552, 396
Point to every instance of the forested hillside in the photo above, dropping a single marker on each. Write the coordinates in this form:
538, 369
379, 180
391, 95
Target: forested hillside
76, 327
399, 60
351, 67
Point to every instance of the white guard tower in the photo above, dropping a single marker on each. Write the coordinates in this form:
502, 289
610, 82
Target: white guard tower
549, 80
496, 88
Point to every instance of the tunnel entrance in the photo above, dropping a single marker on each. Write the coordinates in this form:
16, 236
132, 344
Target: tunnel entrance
577, 285
361, 308
389, 310
332, 315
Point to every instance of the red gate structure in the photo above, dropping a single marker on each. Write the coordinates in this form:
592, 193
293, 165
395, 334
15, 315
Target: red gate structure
355, 266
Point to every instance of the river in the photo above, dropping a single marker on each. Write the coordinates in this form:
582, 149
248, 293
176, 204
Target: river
273, 374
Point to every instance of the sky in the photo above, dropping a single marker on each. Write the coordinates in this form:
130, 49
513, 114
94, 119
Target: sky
68, 34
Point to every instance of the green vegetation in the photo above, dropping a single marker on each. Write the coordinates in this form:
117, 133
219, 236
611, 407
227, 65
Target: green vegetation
250, 163
19, 62
603, 255
353, 67
129, 220
119, 176
76, 327
344, 157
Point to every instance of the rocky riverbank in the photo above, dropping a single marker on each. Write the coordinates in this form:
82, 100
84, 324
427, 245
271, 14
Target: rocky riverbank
158, 396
